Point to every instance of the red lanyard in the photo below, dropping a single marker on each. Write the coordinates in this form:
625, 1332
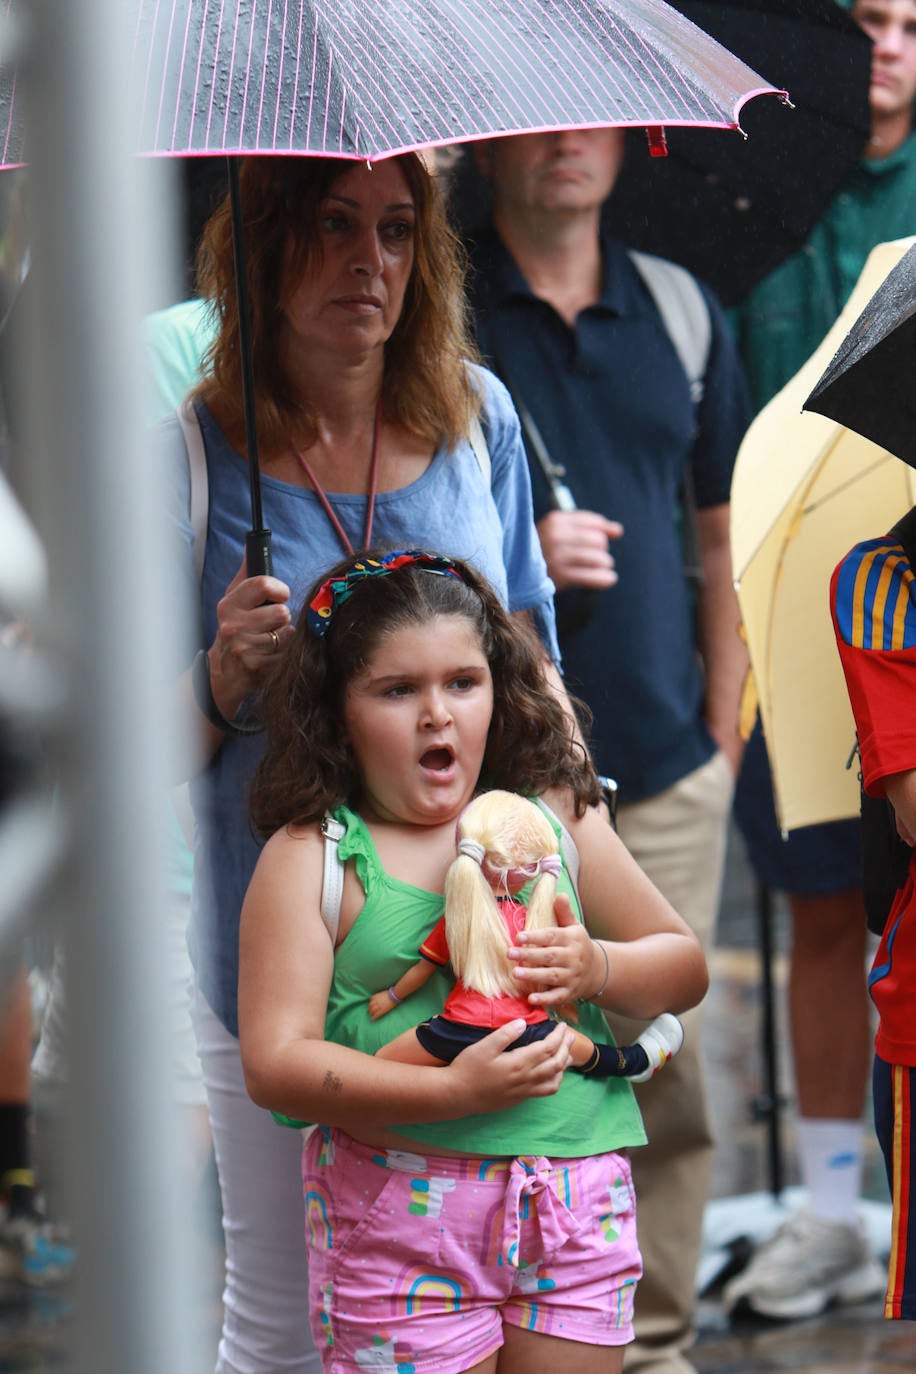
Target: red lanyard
370, 499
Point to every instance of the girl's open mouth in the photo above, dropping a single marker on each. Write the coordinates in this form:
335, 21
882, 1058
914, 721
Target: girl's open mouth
438, 759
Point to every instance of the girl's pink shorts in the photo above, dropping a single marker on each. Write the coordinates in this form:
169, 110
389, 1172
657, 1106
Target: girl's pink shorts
416, 1262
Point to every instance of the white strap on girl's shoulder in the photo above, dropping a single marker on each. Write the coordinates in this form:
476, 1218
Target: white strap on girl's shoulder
568, 847
333, 875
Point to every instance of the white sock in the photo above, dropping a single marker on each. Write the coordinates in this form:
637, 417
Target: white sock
831, 1160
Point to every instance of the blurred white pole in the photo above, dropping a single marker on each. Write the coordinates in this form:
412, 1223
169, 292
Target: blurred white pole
95, 239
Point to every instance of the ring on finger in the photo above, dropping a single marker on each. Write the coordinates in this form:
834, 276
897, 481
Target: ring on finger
275, 640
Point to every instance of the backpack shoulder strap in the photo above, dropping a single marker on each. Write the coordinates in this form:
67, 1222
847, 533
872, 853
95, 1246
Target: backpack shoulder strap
332, 876
684, 312
334, 867
479, 445
568, 849
197, 468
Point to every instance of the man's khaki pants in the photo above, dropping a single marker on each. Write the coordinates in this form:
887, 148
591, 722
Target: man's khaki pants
678, 838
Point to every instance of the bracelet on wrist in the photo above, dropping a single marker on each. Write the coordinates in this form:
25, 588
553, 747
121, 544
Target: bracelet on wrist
607, 972
203, 695
394, 997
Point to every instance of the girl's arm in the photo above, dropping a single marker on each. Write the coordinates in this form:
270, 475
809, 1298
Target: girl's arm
654, 962
286, 964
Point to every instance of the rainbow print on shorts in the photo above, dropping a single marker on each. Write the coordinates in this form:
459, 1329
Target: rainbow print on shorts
317, 1220
418, 1291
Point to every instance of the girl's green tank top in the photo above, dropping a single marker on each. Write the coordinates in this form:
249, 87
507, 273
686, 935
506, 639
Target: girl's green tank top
586, 1116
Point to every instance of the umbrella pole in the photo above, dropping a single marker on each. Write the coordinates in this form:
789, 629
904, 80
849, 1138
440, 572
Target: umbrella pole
257, 540
767, 1106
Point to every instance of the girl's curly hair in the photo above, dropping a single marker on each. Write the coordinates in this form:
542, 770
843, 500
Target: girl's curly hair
308, 767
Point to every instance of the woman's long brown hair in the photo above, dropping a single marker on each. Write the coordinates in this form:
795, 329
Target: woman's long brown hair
426, 389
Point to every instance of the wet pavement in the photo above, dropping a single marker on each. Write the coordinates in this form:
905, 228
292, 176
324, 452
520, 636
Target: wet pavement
37, 1329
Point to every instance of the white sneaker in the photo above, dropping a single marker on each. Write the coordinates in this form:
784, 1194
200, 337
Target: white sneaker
809, 1263
662, 1039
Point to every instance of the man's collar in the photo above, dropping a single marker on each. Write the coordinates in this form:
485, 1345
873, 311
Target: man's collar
902, 155
497, 277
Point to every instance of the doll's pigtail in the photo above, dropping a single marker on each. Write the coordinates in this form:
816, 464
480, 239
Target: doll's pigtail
541, 915
474, 929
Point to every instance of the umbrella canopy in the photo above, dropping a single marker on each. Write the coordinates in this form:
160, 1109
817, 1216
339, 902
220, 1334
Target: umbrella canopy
805, 489
346, 78
871, 384
343, 78
758, 199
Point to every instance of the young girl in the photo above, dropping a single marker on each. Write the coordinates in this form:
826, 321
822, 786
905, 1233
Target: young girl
477, 1217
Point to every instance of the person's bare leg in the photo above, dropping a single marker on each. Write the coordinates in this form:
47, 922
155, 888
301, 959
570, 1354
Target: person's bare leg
828, 1005
527, 1352
406, 1049
15, 1090
29, 1252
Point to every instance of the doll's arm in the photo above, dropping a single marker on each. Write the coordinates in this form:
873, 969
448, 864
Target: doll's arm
381, 1003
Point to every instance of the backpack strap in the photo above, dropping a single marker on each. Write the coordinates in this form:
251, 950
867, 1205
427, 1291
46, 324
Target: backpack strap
481, 451
685, 314
334, 867
197, 469
333, 875
684, 311
568, 848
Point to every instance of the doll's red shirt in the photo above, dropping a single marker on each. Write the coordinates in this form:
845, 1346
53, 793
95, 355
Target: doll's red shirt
471, 1008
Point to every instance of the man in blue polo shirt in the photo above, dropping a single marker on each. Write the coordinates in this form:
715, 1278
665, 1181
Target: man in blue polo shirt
567, 321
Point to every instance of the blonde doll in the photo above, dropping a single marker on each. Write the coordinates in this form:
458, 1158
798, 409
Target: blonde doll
505, 843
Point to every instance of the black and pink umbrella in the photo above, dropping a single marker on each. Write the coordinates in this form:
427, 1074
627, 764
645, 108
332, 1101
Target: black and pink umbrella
366, 79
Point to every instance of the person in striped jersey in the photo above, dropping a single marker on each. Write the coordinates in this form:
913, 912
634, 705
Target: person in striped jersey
873, 603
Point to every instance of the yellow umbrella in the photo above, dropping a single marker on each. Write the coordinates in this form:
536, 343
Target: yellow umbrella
805, 489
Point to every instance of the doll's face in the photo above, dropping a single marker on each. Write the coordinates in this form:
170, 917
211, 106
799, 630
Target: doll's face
509, 882
417, 720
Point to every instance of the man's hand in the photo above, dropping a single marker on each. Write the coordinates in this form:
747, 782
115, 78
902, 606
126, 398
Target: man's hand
576, 547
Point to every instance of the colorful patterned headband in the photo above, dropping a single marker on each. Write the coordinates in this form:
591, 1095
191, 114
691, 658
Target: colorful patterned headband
336, 590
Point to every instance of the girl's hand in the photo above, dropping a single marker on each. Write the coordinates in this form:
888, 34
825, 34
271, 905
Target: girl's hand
253, 627
380, 1004
489, 1079
558, 965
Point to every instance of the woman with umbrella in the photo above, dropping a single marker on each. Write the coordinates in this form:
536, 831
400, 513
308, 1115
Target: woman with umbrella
365, 401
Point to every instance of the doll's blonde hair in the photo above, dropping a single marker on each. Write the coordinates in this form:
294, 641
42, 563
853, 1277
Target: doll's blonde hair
511, 832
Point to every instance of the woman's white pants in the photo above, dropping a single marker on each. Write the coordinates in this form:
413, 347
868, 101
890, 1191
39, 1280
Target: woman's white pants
265, 1324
